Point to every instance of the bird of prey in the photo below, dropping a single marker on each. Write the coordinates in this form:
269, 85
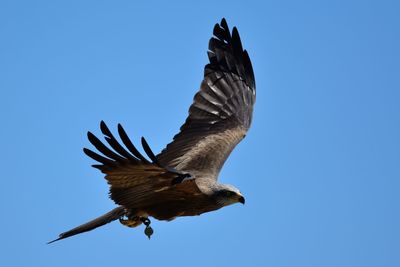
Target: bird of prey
182, 179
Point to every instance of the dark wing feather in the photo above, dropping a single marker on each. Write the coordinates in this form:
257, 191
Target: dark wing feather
133, 179
221, 112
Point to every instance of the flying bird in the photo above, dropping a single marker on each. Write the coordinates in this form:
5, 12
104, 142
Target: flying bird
182, 180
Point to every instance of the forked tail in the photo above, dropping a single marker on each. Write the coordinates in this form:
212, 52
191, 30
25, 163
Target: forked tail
100, 221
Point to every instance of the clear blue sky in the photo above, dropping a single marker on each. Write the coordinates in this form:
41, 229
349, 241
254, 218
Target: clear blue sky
320, 167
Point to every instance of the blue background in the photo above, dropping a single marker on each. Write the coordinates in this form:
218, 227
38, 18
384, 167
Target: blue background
320, 167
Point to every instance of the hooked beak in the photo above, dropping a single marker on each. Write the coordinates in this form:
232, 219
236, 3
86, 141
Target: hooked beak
241, 200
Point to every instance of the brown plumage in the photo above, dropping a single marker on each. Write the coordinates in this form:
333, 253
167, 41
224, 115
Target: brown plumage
182, 179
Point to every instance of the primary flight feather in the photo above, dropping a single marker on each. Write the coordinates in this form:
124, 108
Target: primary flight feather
182, 179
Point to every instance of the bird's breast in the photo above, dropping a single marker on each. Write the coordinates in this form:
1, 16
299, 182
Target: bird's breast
170, 210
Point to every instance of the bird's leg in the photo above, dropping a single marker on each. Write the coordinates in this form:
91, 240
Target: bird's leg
148, 231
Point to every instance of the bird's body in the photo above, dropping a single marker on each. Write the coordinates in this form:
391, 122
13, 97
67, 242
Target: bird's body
194, 203
182, 179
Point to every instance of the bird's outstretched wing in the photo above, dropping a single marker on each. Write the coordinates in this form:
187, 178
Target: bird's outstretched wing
221, 112
133, 179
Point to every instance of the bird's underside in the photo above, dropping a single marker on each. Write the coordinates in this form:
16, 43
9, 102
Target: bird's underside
182, 179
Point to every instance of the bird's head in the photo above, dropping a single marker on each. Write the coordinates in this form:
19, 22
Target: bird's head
227, 194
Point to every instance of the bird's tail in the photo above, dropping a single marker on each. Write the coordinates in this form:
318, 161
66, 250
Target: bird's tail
100, 221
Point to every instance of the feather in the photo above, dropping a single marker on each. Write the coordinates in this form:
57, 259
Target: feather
148, 151
103, 149
221, 111
114, 143
127, 142
98, 158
